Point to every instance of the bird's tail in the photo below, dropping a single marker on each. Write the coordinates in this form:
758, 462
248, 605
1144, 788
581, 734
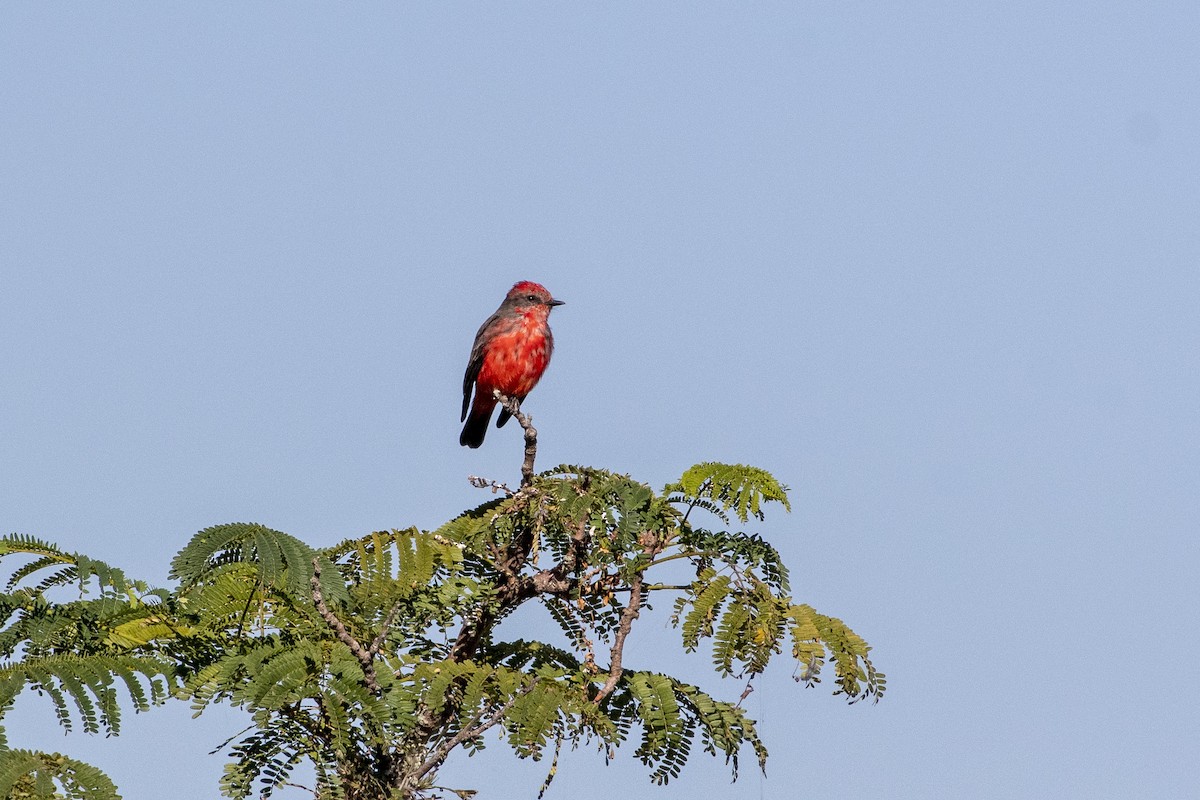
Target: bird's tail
477, 424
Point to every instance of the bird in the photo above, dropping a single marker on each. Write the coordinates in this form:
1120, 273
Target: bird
511, 351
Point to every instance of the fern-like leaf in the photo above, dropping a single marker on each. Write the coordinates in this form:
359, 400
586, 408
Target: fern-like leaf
737, 487
33, 775
281, 561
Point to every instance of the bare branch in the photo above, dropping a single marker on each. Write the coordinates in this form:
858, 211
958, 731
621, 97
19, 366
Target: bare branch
513, 406
364, 656
627, 617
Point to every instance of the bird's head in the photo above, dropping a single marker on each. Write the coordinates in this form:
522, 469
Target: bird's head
527, 295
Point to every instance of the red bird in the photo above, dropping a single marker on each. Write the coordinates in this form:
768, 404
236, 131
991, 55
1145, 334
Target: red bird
510, 353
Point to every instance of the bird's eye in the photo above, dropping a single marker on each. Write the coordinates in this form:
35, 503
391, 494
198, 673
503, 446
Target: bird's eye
531, 298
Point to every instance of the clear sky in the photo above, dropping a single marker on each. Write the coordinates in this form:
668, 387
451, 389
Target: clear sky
935, 265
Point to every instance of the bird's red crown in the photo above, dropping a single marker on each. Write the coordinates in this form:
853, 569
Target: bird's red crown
524, 288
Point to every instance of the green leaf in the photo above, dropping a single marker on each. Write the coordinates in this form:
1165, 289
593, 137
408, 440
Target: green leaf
34, 775
737, 487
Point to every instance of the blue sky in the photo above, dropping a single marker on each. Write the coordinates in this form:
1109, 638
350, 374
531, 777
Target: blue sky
935, 265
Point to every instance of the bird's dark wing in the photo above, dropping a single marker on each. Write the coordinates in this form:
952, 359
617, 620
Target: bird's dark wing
475, 363
469, 380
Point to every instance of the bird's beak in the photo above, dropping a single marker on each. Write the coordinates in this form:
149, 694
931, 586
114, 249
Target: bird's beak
553, 303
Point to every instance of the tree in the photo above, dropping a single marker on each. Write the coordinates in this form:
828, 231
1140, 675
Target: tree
375, 659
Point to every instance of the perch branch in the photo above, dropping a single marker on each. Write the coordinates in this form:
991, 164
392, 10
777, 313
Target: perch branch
513, 406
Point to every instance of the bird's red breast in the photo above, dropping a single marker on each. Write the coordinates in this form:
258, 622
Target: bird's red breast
517, 353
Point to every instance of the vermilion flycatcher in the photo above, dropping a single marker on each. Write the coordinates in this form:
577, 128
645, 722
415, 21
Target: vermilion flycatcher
510, 353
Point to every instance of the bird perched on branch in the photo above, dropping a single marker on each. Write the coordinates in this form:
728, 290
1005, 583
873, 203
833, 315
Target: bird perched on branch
510, 354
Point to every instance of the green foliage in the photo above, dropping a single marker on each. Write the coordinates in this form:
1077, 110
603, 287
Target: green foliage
814, 635
735, 487
375, 659
281, 562
31, 775
671, 714
87, 685
67, 632
737, 552
58, 568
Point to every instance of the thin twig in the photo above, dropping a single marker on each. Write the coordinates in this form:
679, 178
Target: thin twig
378, 641
746, 692
696, 500
484, 483
365, 657
469, 731
656, 587
245, 613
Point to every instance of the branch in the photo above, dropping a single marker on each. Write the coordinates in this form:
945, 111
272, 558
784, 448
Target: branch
627, 617
469, 731
696, 500
364, 656
659, 587
511, 589
555, 580
513, 406
378, 641
484, 483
